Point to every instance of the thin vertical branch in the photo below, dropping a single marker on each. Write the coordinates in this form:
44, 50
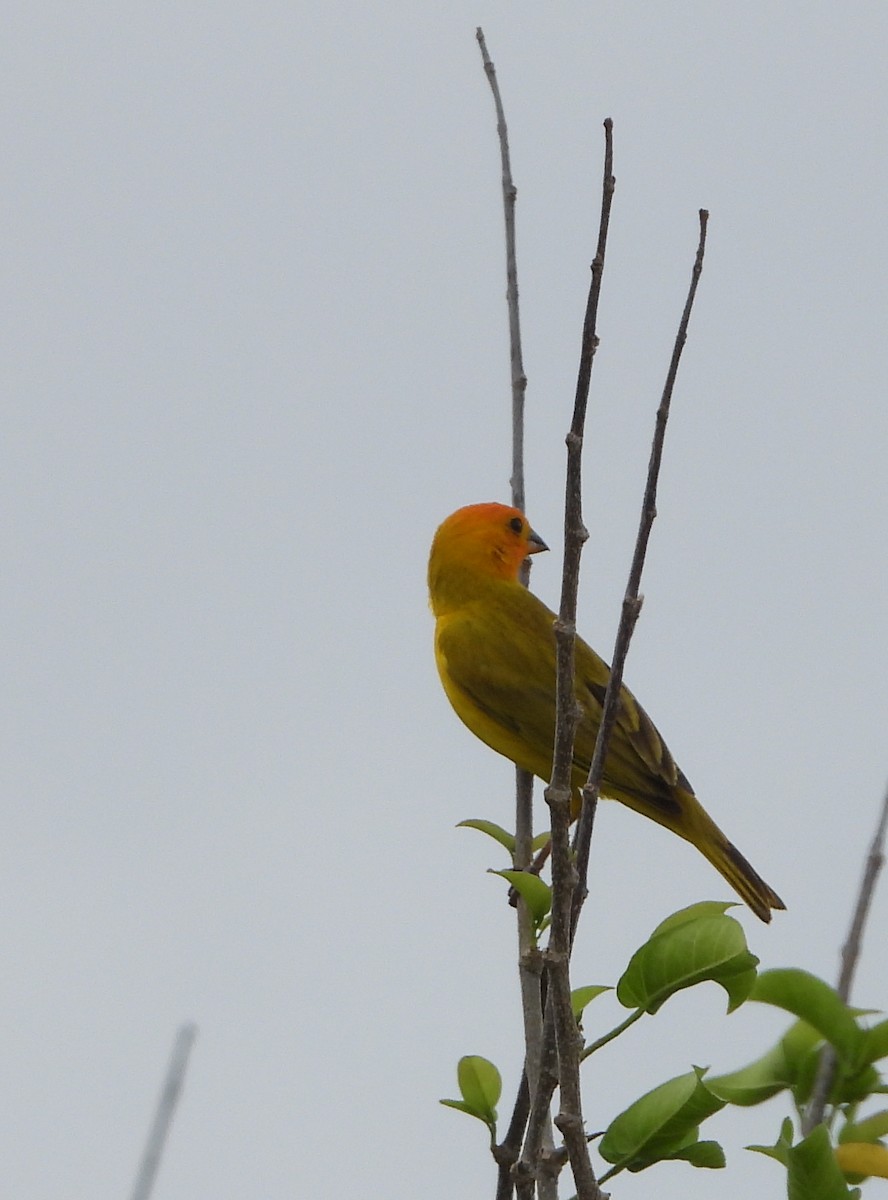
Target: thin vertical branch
163, 1116
559, 1016
632, 600
854, 943
538, 1117
558, 794
565, 911
826, 1071
529, 966
553, 1043
506, 1153
519, 379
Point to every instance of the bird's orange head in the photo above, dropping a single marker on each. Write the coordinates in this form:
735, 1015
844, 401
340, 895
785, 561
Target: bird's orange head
488, 540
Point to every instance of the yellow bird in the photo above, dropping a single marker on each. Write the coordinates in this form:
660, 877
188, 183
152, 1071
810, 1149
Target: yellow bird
495, 650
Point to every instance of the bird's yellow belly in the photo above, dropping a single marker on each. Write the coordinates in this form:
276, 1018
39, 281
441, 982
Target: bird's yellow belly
490, 729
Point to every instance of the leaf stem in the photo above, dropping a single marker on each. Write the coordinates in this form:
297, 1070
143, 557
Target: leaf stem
609, 1037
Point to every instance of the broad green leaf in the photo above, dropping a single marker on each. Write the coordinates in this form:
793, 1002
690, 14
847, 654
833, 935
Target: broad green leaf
870, 1129
774, 1071
660, 1123
701, 1154
492, 830
862, 1159
582, 996
808, 1066
851, 1087
812, 1170
480, 1085
503, 836
875, 1043
781, 1148
754, 1083
797, 1044
693, 912
850, 1084
461, 1106
806, 996
690, 947
536, 894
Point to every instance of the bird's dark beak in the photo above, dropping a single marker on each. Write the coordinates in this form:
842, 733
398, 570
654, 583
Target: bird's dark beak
535, 543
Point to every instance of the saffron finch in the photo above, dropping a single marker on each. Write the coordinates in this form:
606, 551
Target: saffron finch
495, 651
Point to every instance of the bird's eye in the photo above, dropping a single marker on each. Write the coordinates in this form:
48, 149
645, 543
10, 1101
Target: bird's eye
516, 525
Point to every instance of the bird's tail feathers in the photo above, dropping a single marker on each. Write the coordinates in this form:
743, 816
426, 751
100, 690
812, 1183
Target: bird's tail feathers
741, 875
681, 811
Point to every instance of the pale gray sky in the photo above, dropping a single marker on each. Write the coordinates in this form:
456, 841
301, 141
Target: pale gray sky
254, 352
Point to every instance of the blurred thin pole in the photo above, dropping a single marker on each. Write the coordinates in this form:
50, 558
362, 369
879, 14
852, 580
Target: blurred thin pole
163, 1116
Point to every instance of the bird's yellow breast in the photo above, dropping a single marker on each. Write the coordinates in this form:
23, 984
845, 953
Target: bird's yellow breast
480, 708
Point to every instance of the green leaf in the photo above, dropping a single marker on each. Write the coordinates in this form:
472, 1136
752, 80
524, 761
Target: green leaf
812, 1170
875, 1043
480, 1084
809, 1065
770, 1074
492, 830
690, 947
540, 840
781, 1148
701, 1154
659, 1123
806, 996
851, 1087
582, 996
798, 1044
754, 1083
693, 912
536, 894
461, 1106
870, 1129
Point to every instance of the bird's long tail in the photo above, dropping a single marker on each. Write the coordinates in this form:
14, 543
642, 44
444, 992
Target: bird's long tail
683, 813
740, 874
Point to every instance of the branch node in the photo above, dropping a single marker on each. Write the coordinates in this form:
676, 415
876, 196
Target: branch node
523, 1172
558, 799
569, 1123
532, 960
632, 606
553, 1160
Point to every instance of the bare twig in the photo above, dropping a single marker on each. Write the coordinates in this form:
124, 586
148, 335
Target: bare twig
163, 1116
524, 827
528, 957
854, 944
536, 1171
559, 1015
519, 379
632, 600
826, 1071
565, 910
506, 1153
538, 1118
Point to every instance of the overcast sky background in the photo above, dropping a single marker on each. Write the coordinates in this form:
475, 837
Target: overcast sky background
254, 351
